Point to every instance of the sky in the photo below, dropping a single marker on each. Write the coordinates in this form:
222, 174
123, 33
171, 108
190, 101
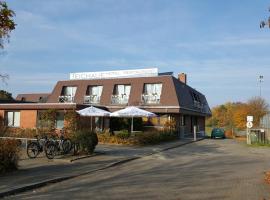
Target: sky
217, 43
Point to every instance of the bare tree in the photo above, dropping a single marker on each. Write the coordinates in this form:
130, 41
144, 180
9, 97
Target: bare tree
265, 22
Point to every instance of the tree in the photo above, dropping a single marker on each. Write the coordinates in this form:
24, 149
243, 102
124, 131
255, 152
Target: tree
6, 22
7, 25
4, 95
234, 115
265, 22
257, 107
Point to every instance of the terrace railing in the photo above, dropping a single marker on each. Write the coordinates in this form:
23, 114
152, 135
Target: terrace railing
66, 99
150, 99
119, 99
91, 99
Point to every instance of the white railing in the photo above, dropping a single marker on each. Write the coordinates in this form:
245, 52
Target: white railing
150, 99
91, 99
66, 99
24, 140
119, 99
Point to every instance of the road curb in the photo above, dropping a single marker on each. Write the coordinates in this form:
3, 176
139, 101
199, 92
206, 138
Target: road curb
60, 179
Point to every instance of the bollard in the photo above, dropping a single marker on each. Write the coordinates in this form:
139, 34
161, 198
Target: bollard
194, 132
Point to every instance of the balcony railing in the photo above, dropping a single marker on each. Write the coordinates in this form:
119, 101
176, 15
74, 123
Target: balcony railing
119, 99
91, 99
150, 99
66, 99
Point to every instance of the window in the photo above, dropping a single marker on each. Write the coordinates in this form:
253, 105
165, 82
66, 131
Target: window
121, 94
122, 90
67, 94
69, 91
59, 120
151, 93
196, 99
195, 96
93, 94
13, 118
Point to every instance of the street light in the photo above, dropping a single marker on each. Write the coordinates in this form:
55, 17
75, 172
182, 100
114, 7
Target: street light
261, 80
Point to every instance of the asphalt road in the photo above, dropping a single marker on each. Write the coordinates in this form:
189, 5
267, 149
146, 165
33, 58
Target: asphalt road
209, 169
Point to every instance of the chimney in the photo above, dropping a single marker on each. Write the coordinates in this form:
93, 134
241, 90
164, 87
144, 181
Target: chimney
183, 78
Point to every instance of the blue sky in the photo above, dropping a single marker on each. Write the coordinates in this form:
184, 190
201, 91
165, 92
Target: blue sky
217, 43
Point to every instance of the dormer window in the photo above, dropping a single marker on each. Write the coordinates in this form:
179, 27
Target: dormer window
67, 94
121, 94
151, 93
196, 99
93, 94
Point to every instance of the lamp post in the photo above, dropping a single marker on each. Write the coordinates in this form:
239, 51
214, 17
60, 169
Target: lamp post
260, 81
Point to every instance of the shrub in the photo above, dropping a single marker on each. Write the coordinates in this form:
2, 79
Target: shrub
86, 140
124, 134
9, 155
3, 128
229, 134
72, 123
143, 138
155, 137
107, 138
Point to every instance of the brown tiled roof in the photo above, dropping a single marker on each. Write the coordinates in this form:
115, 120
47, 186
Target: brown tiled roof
168, 96
175, 96
40, 106
33, 97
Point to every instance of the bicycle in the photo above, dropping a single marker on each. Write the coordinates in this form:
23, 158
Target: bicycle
64, 146
36, 147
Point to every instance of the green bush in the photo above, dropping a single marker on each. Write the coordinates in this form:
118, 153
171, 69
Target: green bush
124, 134
86, 140
155, 137
9, 155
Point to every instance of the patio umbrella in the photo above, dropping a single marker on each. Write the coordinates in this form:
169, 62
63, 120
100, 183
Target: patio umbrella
93, 112
132, 112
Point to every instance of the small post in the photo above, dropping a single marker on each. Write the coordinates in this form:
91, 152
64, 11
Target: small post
131, 125
248, 136
194, 133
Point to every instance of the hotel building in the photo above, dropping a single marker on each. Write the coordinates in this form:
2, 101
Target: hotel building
170, 97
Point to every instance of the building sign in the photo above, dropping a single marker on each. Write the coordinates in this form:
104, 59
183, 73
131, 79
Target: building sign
114, 74
249, 118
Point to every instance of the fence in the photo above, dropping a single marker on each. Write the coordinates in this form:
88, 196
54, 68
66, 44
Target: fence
258, 136
24, 141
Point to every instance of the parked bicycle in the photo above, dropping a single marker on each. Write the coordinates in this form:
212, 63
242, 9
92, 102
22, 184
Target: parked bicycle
55, 147
34, 148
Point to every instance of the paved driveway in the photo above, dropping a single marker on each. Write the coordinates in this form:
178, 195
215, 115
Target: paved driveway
209, 169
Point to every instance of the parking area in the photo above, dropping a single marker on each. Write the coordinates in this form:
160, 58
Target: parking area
34, 171
209, 169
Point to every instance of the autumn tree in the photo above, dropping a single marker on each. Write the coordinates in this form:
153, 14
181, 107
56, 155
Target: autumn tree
234, 115
240, 115
7, 25
257, 107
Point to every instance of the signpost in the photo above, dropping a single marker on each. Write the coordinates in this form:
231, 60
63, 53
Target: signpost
249, 126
